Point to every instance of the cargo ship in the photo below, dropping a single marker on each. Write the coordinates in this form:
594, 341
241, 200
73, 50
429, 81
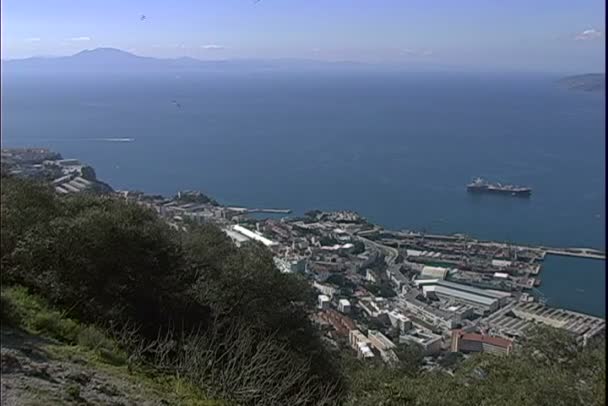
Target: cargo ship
479, 185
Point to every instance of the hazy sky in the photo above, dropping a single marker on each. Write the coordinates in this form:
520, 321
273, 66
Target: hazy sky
539, 35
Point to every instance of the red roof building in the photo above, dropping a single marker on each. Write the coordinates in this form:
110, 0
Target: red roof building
475, 342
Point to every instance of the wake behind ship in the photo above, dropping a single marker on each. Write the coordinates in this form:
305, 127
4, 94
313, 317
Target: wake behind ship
480, 185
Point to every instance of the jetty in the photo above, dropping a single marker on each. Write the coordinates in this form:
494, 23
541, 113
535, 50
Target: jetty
576, 252
271, 211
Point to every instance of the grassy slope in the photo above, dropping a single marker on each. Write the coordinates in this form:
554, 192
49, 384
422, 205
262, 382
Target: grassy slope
49, 359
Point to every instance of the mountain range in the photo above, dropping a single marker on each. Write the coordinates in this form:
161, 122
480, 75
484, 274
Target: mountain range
590, 82
116, 60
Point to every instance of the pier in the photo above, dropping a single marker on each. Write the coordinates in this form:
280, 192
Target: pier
576, 252
270, 211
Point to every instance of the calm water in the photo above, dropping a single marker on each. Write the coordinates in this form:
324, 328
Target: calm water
398, 148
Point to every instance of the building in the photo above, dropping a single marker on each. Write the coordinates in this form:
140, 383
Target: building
360, 343
341, 323
395, 275
372, 306
446, 314
237, 238
433, 272
383, 345
323, 302
400, 321
379, 341
499, 263
325, 289
290, 264
253, 235
484, 298
430, 343
516, 320
474, 342
344, 306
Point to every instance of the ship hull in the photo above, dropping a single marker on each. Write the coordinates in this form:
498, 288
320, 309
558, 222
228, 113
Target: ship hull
506, 192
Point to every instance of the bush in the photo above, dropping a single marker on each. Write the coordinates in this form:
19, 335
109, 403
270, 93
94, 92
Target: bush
112, 263
52, 324
73, 391
33, 313
8, 312
93, 339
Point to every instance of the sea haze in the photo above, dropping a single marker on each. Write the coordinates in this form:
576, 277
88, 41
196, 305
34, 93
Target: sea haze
397, 147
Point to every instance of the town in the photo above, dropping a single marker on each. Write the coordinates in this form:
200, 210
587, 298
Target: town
376, 288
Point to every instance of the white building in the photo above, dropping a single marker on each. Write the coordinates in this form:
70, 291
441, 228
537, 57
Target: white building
484, 298
400, 321
253, 235
360, 343
290, 264
499, 263
344, 306
433, 272
325, 289
323, 302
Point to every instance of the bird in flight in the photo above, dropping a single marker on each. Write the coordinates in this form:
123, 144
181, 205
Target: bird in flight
179, 106
142, 18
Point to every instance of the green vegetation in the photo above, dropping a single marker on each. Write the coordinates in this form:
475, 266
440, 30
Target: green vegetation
89, 345
191, 315
188, 303
549, 369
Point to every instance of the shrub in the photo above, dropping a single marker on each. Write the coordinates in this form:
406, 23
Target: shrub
94, 339
52, 323
8, 312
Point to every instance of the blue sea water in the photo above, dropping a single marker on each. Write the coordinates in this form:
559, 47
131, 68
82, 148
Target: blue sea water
398, 148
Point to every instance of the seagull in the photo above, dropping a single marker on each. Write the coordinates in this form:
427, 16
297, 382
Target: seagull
142, 18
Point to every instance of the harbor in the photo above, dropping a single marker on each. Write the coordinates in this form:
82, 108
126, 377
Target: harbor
408, 285
244, 210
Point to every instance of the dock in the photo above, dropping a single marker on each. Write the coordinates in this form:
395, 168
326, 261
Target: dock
577, 252
271, 211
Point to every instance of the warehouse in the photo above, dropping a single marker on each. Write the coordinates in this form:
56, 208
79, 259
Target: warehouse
487, 299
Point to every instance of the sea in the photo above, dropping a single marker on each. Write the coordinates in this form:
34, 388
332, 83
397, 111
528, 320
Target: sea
398, 148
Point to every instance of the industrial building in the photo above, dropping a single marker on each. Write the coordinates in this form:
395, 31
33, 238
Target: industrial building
373, 306
253, 235
445, 315
430, 343
487, 299
379, 340
474, 342
433, 272
514, 321
383, 345
400, 321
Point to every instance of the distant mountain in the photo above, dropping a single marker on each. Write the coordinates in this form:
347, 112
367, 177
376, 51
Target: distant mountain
115, 60
590, 82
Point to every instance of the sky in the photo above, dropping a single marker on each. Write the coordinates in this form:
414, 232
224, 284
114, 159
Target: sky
491, 35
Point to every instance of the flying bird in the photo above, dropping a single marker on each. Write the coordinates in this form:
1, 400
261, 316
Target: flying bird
179, 106
142, 18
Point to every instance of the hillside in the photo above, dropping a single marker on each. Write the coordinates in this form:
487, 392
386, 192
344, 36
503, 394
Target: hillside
591, 82
102, 301
40, 364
